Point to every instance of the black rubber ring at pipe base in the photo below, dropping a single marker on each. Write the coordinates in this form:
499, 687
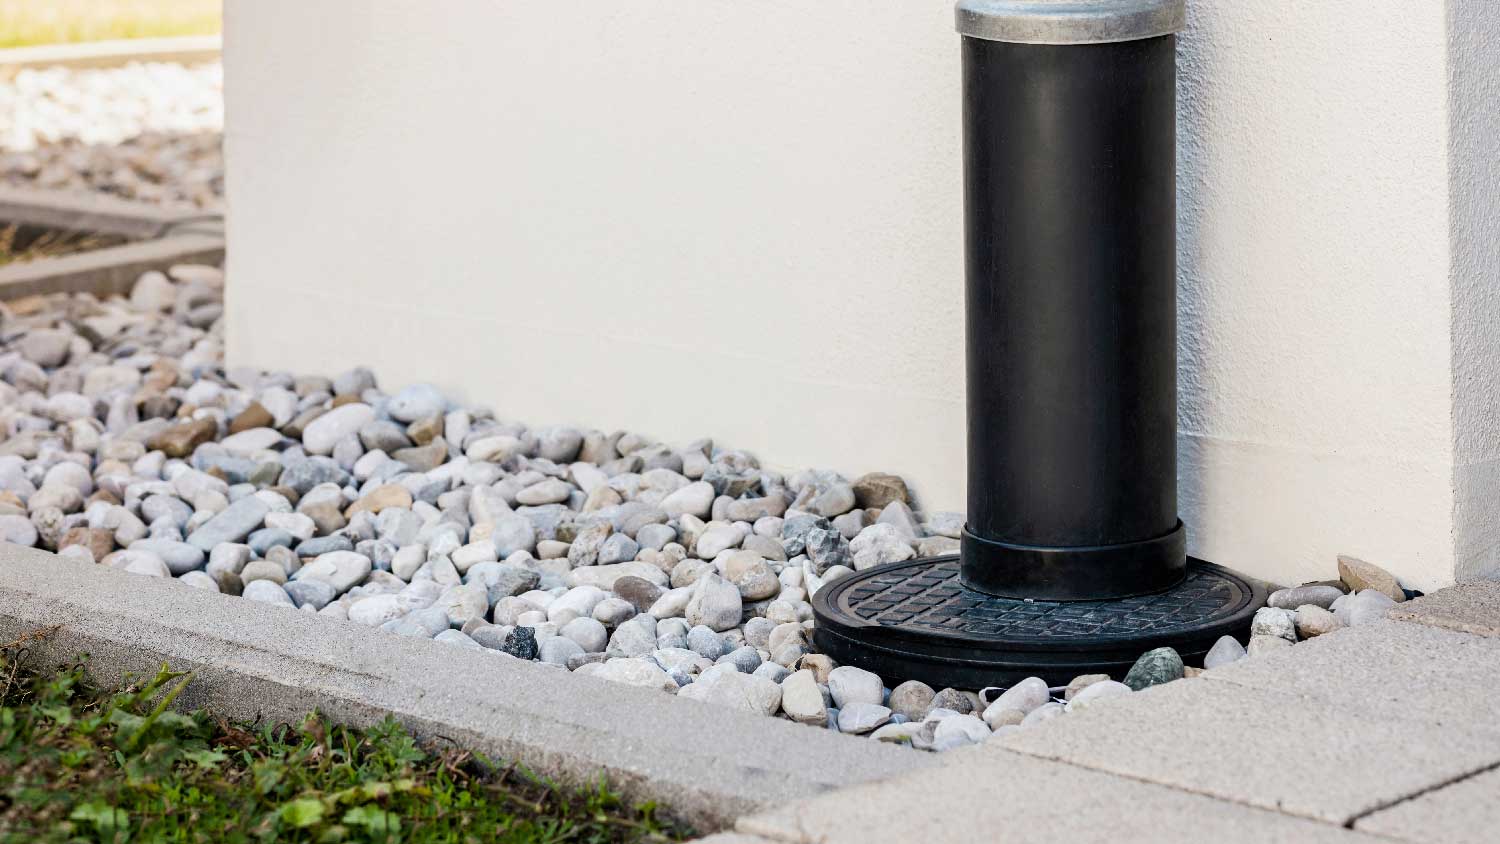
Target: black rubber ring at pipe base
1095, 573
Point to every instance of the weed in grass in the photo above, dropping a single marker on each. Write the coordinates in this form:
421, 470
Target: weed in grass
81, 765
15, 246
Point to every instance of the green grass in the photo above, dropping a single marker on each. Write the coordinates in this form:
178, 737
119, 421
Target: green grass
78, 764
28, 22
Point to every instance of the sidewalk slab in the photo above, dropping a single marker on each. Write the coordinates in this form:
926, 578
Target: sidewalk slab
1279, 751
1468, 608
705, 764
183, 49
93, 212
1466, 812
112, 270
989, 794
1392, 669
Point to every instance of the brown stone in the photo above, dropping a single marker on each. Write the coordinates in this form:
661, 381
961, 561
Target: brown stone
1358, 574
819, 664
101, 495
113, 467
229, 582
1003, 717
878, 489
10, 503
159, 407
952, 699
936, 546
424, 431
346, 398
27, 305
379, 498
1082, 682
162, 375
263, 570
423, 458
286, 492
639, 592
98, 540
306, 385
254, 416
295, 427
325, 515
179, 440
157, 383
1313, 620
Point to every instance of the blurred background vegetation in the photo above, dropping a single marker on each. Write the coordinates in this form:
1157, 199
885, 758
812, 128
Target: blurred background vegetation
28, 22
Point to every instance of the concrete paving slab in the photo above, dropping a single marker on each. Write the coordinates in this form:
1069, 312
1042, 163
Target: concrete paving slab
112, 270
1466, 812
994, 795
1259, 747
92, 212
706, 764
1391, 668
1468, 608
183, 49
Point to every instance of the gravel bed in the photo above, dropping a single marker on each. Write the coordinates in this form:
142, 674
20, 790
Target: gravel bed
147, 132
686, 569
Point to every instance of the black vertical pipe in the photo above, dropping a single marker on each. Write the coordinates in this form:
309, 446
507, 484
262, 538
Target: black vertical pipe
1070, 200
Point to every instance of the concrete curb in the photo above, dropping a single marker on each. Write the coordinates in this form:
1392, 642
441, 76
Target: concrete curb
93, 212
163, 235
705, 764
184, 50
107, 271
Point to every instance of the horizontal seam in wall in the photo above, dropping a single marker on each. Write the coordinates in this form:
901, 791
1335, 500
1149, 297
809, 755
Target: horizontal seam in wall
1289, 448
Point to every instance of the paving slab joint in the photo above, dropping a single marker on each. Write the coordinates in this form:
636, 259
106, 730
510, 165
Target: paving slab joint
1451, 781
1472, 607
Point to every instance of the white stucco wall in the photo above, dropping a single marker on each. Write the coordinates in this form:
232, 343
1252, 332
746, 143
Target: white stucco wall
1313, 264
1474, 179
736, 220
743, 220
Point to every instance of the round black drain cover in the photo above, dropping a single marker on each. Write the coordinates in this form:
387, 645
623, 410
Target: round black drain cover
915, 621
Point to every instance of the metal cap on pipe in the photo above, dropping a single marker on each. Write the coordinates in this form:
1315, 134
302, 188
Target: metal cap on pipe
1069, 21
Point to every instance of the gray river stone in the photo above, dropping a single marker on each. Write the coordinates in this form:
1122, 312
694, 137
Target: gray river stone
180, 557
1155, 667
1226, 650
848, 684
1298, 596
232, 524
715, 603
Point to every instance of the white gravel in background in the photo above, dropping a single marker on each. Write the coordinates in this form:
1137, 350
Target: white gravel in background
148, 132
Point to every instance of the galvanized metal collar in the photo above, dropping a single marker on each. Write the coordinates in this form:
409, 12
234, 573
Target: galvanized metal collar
1069, 21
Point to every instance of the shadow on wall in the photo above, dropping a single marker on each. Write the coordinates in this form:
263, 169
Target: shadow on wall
1194, 351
